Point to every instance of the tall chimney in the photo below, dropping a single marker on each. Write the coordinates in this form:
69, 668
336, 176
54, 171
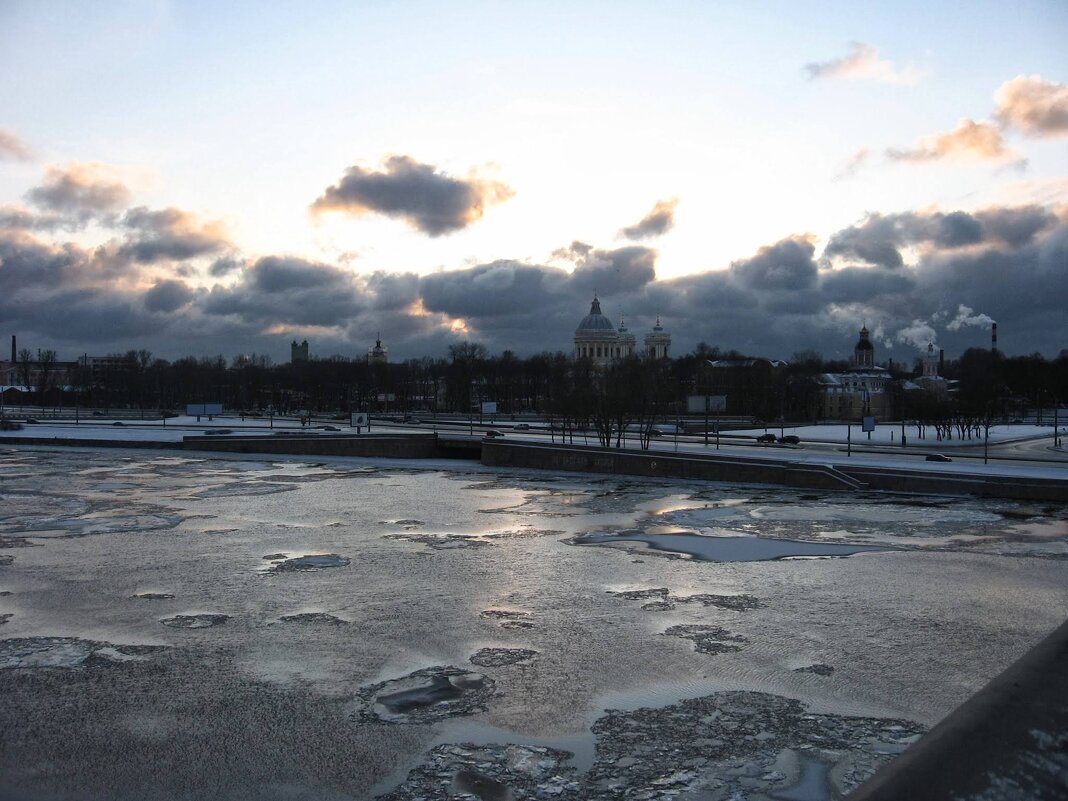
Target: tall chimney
12, 348
941, 361
993, 336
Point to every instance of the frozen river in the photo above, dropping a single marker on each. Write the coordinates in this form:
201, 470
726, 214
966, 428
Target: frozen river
178, 627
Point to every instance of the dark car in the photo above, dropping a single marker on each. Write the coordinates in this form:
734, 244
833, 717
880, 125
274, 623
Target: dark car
766, 438
938, 457
118, 423
790, 439
522, 427
493, 433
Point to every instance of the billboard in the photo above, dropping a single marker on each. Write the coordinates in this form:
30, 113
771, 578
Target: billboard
868, 424
695, 404
360, 419
489, 407
197, 409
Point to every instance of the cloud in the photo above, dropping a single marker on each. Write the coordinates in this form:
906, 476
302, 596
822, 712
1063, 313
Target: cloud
285, 290
12, 148
612, 272
81, 192
786, 265
880, 239
853, 165
899, 273
863, 64
864, 284
658, 221
1033, 106
574, 252
504, 287
431, 201
167, 296
169, 234
972, 140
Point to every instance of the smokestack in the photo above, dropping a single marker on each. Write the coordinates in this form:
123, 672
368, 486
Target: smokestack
12, 348
941, 361
993, 336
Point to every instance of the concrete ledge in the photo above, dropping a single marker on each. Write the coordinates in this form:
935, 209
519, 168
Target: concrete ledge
1008, 741
400, 446
761, 470
71, 442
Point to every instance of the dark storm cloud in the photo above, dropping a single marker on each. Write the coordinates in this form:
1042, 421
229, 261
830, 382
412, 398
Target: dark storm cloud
1015, 226
80, 189
919, 267
224, 266
27, 262
879, 239
860, 284
429, 200
787, 264
274, 274
656, 222
167, 296
615, 271
287, 290
489, 290
393, 291
169, 235
12, 148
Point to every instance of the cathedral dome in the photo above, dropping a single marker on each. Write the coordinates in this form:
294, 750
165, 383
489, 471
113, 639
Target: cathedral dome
595, 321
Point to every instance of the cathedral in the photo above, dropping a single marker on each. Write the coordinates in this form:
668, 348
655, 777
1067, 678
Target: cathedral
597, 339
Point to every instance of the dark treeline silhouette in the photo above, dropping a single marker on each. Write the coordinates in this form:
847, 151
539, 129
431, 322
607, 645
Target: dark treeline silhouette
628, 396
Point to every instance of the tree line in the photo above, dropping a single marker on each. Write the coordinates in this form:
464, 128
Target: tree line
627, 396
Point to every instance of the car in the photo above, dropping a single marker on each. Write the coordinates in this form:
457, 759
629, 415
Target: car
522, 427
790, 439
766, 438
331, 428
32, 420
98, 414
938, 457
493, 433
218, 432
118, 423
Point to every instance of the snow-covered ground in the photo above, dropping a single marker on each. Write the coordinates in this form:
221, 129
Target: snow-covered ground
890, 434
737, 444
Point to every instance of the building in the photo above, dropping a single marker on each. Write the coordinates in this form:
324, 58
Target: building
861, 391
657, 342
378, 354
298, 353
597, 339
931, 381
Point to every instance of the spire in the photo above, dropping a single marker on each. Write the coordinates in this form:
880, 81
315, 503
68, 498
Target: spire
595, 307
658, 327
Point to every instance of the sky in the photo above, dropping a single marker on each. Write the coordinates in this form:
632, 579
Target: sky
221, 178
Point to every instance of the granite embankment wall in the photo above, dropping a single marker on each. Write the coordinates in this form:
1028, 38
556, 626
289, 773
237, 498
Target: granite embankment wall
759, 470
404, 446
585, 459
